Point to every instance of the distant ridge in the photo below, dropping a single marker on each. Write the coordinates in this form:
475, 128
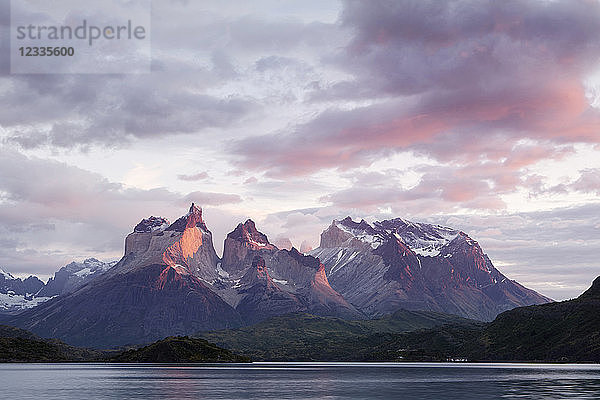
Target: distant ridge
170, 281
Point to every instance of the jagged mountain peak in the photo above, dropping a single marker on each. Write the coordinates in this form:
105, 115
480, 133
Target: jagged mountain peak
190, 220
91, 263
186, 246
306, 260
242, 245
251, 237
422, 238
347, 233
398, 263
361, 226
6, 275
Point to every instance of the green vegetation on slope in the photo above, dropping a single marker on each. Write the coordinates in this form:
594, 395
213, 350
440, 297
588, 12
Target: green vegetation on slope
19, 345
180, 349
568, 331
442, 343
305, 337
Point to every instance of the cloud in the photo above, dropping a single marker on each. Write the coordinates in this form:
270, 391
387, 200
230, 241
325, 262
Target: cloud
211, 199
76, 111
202, 68
440, 188
193, 177
51, 212
447, 80
588, 182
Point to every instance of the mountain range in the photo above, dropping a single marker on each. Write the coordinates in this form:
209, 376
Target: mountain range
394, 264
17, 295
170, 281
567, 331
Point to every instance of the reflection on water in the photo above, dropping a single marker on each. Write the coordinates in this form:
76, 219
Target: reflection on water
300, 381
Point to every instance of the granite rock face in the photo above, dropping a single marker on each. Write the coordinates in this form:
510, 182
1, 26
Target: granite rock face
241, 246
292, 281
262, 298
159, 288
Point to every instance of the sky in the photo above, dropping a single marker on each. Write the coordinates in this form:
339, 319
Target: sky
479, 115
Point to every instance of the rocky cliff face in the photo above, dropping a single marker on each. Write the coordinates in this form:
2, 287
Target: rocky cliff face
241, 246
261, 297
293, 282
306, 276
399, 264
185, 245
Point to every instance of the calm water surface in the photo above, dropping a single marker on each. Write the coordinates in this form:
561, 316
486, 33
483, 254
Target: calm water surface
299, 381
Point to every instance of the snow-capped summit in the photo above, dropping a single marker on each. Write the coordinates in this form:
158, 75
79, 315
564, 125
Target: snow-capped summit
74, 275
6, 275
423, 239
171, 281
395, 263
152, 224
17, 294
347, 233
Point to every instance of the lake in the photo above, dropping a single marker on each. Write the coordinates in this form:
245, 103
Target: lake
300, 381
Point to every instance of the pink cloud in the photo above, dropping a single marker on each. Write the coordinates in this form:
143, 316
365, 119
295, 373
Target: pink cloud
453, 82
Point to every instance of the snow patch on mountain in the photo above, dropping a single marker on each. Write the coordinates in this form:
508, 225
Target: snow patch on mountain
423, 239
222, 273
372, 239
6, 275
83, 272
14, 302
